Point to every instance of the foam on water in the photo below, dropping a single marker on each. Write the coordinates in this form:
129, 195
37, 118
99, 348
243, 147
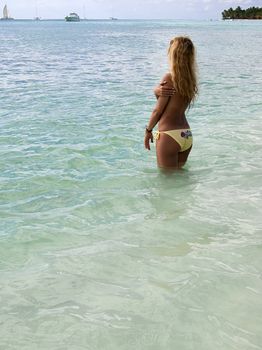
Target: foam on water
98, 249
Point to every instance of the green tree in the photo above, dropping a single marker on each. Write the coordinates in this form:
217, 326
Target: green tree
239, 13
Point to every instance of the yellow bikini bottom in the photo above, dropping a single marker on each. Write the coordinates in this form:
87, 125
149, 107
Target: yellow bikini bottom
182, 136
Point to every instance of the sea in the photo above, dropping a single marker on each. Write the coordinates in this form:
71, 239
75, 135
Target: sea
100, 249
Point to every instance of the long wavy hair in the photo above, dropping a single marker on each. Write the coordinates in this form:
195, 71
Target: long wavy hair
181, 54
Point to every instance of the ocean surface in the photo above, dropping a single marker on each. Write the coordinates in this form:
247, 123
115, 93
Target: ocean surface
99, 249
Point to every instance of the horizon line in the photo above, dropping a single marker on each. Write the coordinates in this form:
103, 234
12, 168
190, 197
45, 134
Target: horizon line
118, 19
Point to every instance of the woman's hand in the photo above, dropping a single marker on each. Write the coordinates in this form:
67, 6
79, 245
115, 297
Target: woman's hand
148, 138
164, 90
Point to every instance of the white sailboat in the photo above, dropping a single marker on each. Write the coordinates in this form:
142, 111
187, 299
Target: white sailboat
6, 16
37, 18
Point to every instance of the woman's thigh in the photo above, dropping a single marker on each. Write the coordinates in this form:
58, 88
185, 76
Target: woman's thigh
167, 151
182, 157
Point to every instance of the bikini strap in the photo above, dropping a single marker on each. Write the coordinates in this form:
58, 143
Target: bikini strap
157, 135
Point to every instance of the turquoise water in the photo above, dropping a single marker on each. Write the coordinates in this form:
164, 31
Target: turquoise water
98, 248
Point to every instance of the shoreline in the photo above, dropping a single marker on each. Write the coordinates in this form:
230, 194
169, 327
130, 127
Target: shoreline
241, 19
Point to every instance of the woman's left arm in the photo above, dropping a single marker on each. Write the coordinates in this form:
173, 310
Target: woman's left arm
154, 119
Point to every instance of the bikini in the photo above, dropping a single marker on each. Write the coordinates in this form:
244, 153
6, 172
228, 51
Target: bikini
182, 136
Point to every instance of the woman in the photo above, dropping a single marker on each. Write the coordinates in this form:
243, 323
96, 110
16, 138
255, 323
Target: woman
177, 91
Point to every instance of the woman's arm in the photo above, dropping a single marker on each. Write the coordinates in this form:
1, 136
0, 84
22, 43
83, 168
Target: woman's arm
157, 112
154, 119
164, 89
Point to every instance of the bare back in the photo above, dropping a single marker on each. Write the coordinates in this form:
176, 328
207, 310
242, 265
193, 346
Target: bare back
173, 117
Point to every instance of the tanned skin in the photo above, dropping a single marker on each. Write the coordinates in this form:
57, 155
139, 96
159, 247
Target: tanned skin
169, 113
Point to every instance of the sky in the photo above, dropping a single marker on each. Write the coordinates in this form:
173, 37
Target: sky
125, 9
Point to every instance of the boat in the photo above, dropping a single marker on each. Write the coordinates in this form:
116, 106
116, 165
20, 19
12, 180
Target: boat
73, 17
6, 16
113, 18
36, 18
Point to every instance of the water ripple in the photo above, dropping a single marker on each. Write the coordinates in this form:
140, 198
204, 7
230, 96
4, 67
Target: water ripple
99, 247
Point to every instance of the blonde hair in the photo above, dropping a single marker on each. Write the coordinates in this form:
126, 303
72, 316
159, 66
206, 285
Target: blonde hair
182, 61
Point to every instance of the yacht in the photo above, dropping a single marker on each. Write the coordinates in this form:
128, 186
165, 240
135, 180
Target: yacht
73, 17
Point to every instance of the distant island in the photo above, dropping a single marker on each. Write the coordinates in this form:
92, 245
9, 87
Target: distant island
239, 13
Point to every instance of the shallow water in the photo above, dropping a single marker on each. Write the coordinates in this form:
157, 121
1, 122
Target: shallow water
98, 248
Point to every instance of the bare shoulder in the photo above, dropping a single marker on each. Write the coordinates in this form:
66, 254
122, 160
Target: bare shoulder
167, 80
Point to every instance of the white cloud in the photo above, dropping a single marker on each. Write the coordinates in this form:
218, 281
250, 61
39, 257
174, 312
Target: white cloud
237, 2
